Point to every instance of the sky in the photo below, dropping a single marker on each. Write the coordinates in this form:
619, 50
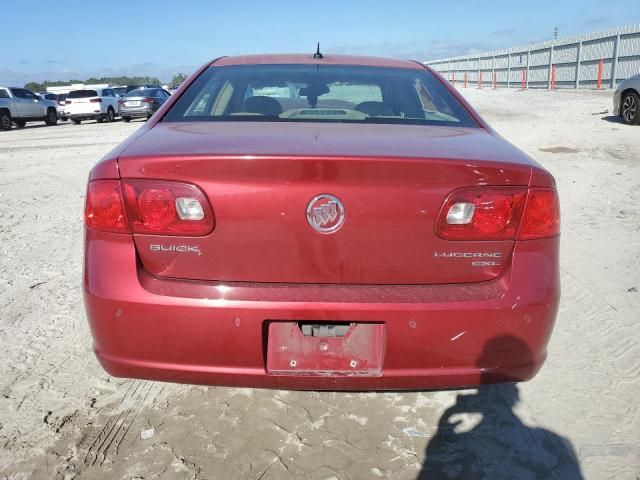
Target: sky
80, 39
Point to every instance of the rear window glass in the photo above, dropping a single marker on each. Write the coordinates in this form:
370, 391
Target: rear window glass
4, 93
82, 94
319, 93
141, 92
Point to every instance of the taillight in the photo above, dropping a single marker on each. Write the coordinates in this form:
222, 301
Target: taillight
104, 209
541, 218
120, 102
148, 100
499, 213
96, 100
160, 207
67, 102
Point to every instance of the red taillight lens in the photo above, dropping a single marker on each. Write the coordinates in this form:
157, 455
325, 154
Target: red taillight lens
104, 209
541, 218
96, 100
159, 207
67, 102
148, 100
120, 102
491, 214
499, 213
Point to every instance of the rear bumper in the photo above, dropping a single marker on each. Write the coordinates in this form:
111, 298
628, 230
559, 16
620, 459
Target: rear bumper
437, 336
84, 116
616, 102
136, 112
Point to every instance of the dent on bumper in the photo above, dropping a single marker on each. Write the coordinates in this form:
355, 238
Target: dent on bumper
437, 336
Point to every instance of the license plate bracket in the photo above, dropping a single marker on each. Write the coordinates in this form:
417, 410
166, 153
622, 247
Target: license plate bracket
358, 352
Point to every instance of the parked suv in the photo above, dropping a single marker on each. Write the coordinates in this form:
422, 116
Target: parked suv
91, 104
19, 105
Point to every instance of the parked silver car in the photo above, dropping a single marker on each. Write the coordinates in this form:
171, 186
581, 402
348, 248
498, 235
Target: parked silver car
626, 101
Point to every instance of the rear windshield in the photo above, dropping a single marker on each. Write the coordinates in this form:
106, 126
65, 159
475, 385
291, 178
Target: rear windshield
141, 92
319, 93
82, 94
4, 93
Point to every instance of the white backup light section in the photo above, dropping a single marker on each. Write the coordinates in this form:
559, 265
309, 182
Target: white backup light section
460, 214
189, 209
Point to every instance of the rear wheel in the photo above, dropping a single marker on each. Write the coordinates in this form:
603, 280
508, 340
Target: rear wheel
76, 121
52, 117
20, 123
126, 119
630, 108
111, 115
5, 120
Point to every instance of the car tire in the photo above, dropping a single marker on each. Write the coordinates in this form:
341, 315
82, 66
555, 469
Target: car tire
126, 119
76, 121
630, 108
5, 120
19, 123
52, 117
111, 115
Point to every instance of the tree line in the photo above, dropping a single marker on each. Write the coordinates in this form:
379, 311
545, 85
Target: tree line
122, 80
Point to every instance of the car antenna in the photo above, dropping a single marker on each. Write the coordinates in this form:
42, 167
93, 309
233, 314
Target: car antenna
318, 55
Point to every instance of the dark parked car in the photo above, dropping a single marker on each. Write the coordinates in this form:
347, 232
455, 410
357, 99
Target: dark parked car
289, 221
142, 102
123, 90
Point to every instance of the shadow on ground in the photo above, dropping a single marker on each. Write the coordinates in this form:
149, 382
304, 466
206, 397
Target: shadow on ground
500, 445
612, 119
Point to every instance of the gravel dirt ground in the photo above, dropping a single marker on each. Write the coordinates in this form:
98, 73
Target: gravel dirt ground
61, 416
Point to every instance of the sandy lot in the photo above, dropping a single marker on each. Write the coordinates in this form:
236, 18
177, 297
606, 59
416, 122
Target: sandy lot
61, 416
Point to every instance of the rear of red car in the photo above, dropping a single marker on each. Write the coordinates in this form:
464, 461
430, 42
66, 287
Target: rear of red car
293, 223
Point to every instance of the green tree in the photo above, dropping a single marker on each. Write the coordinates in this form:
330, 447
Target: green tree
177, 80
122, 80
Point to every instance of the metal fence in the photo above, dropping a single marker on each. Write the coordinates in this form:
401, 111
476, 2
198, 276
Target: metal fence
593, 60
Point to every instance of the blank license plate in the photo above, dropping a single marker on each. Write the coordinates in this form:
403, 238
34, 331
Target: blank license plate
359, 352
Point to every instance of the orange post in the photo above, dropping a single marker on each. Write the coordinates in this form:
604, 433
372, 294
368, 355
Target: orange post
524, 78
552, 85
465, 79
480, 79
600, 65
454, 78
494, 80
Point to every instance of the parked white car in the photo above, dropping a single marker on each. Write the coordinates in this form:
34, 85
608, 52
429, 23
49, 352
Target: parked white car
626, 100
91, 104
19, 106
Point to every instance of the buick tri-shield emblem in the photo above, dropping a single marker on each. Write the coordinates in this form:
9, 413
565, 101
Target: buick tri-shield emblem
325, 213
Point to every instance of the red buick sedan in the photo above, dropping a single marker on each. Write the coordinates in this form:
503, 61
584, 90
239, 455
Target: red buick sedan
320, 222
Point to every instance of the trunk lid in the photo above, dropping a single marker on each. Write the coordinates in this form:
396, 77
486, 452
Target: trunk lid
261, 177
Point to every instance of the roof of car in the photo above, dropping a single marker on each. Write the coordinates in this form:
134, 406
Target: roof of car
307, 59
